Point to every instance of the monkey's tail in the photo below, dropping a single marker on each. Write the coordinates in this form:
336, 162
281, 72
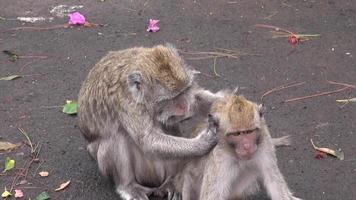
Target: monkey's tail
282, 141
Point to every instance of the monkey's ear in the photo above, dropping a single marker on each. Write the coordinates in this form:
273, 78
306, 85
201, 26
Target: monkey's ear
134, 82
262, 110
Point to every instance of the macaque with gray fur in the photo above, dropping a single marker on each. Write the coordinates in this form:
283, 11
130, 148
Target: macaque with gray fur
128, 108
245, 153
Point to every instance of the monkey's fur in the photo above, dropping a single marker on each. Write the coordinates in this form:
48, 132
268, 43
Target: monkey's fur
127, 106
221, 174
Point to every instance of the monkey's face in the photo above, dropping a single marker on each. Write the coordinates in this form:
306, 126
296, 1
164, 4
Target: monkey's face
240, 122
244, 143
173, 111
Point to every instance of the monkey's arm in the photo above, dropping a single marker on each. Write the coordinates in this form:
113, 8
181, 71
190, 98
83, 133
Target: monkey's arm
152, 140
273, 179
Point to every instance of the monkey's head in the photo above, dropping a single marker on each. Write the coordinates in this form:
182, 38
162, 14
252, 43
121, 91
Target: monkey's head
240, 124
161, 80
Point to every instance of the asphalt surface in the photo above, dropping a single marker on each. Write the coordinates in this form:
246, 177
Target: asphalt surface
265, 63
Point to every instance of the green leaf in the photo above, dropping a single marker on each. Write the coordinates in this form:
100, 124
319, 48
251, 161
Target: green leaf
70, 108
5, 194
43, 196
13, 56
9, 78
9, 164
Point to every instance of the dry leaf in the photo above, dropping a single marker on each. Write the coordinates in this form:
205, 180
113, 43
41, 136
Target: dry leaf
62, 186
5, 146
352, 100
337, 153
44, 174
9, 78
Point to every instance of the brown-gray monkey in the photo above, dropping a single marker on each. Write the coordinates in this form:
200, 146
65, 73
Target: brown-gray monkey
126, 107
245, 153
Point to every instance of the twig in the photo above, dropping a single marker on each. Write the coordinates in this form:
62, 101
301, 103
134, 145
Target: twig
289, 85
342, 84
275, 28
37, 28
28, 139
271, 15
316, 95
215, 68
39, 57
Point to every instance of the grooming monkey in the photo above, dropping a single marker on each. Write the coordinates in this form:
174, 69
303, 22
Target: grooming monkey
245, 153
128, 108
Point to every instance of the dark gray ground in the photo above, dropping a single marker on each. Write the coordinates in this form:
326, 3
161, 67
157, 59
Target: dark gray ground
191, 26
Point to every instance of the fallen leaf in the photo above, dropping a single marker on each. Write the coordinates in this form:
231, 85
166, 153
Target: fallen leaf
5, 146
9, 78
70, 108
18, 193
23, 182
9, 164
337, 153
76, 18
13, 56
5, 194
353, 100
43, 174
62, 186
43, 196
153, 25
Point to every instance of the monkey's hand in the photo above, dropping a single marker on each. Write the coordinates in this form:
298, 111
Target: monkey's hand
209, 135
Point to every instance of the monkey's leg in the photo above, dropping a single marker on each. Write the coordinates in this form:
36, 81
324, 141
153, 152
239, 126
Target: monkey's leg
115, 160
93, 149
273, 179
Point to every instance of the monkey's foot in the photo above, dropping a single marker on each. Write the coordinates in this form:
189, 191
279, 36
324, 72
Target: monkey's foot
134, 192
166, 189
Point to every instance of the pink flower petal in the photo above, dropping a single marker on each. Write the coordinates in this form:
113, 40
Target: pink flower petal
18, 194
76, 19
153, 25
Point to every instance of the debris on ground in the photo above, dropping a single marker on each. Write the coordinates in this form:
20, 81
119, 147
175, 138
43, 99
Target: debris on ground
76, 18
293, 38
18, 193
43, 174
153, 25
6, 194
10, 78
70, 107
336, 153
13, 56
63, 10
43, 196
62, 186
8, 146
351, 100
9, 164
320, 155
34, 19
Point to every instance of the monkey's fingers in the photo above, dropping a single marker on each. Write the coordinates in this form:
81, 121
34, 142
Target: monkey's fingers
213, 122
176, 196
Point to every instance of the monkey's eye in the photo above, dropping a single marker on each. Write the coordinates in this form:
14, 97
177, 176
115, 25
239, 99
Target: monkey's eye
237, 133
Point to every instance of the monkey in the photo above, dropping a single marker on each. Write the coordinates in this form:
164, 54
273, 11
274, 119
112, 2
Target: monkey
129, 106
244, 155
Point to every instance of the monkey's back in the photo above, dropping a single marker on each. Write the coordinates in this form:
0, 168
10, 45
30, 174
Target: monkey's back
102, 94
